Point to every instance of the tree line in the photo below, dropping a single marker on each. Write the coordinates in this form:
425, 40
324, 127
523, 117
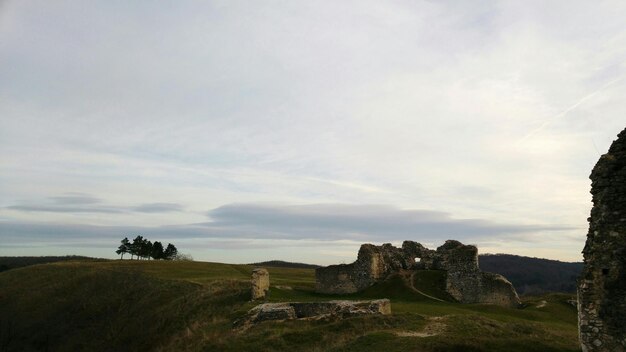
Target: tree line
533, 275
142, 248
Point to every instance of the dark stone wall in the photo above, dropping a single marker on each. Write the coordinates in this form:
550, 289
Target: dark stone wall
602, 285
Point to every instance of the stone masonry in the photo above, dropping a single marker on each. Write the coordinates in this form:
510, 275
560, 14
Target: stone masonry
260, 283
602, 284
312, 310
464, 280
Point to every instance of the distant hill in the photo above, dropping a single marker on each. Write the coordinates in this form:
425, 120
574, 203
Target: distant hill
7, 263
283, 264
533, 275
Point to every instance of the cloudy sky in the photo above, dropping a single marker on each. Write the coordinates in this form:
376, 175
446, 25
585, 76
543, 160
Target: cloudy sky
297, 130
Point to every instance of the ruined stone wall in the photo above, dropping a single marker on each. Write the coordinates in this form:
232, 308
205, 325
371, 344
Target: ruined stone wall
496, 289
463, 278
374, 263
464, 281
260, 283
341, 279
602, 285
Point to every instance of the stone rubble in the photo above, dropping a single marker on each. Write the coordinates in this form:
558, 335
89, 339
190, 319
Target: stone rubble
312, 310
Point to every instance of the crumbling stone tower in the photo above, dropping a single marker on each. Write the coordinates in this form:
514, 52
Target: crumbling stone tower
602, 285
260, 283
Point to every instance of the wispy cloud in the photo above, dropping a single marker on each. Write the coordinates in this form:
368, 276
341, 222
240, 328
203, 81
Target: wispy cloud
572, 107
75, 198
84, 203
326, 222
365, 222
158, 208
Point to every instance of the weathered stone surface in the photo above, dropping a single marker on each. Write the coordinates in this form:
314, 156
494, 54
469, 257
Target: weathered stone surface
273, 311
464, 280
260, 283
312, 310
602, 284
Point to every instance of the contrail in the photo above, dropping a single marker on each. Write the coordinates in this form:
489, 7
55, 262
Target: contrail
566, 111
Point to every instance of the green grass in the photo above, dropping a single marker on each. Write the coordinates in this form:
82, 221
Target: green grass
433, 283
190, 306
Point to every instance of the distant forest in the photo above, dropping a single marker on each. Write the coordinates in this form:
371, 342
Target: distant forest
533, 275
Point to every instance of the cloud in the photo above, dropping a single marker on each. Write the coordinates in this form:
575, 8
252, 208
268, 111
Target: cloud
375, 222
84, 203
67, 209
249, 232
75, 198
158, 208
324, 222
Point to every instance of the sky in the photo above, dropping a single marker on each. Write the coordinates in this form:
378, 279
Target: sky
298, 130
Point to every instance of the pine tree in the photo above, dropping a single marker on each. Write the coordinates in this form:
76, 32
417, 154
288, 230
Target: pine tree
123, 248
135, 247
157, 251
146, 249
170, 252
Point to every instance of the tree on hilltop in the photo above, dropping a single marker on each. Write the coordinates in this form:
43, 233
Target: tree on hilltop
142, 248
146, 249
157, 251
135, 247
123, 248
170, 252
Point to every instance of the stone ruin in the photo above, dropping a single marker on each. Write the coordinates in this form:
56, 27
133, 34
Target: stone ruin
464, 280
312, 310
302, 310
602, 284
260, 283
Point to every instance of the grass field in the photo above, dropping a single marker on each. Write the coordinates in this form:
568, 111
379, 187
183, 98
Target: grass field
190, 306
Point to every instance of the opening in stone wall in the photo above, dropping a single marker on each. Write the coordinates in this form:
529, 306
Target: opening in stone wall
605, 271
417, 260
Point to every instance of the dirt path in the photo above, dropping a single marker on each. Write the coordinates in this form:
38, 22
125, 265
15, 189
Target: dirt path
436, 326
409, 282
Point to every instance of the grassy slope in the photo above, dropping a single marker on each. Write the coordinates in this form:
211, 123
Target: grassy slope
116, 306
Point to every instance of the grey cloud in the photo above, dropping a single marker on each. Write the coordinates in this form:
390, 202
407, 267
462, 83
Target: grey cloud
231, 224
75, 198
83, 203
332, 221
158, 208
67, 209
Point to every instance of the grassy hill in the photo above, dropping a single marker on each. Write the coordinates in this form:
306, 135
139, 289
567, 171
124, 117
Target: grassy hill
190, 306
7, 263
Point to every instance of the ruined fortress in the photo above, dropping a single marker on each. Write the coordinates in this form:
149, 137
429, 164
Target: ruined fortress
464, 280
602, 285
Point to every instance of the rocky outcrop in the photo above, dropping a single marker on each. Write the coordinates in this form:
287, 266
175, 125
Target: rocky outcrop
312, 310
464, 280
260, 283
602, 285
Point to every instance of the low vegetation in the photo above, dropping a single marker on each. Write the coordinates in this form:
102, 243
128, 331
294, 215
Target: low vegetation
190, 306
